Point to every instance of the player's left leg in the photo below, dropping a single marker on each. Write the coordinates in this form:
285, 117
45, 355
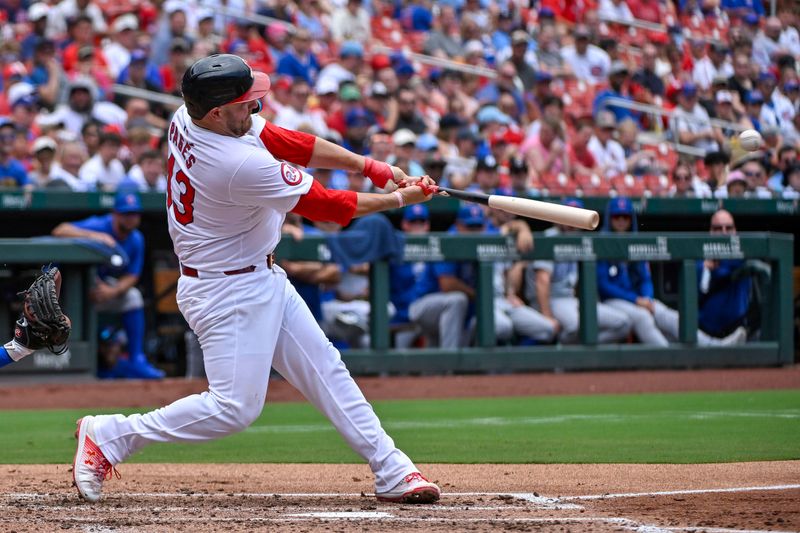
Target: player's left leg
307, 360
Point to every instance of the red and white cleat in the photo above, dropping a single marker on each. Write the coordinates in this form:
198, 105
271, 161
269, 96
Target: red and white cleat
90, 467
414, 488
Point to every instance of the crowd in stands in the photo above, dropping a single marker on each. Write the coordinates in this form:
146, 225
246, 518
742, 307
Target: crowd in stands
540, 98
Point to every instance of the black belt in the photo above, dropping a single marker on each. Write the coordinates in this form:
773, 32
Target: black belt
192, 272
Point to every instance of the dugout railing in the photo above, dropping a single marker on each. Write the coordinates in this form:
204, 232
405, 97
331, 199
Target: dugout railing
774, 346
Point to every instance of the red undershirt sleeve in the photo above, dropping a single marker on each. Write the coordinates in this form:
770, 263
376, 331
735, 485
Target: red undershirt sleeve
325, 205
292, 146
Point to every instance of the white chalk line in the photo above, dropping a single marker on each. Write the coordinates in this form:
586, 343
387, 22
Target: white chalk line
532, 420
678, 492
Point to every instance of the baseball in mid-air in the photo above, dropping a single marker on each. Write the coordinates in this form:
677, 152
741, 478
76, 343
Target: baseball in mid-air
750, 140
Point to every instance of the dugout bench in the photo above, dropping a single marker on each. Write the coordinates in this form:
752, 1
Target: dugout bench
774, 348
20, 262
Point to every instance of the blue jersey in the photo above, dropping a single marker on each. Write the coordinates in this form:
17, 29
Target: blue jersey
13, 173
409, 283
728, 299
133, 246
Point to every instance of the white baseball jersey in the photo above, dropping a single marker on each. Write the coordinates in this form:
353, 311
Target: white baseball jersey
226, 196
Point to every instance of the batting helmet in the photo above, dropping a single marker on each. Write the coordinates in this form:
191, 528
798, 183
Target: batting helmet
218, 80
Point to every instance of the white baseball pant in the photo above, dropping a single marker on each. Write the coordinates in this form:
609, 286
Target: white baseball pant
247, 323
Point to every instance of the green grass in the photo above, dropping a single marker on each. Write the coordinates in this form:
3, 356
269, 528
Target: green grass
652, 428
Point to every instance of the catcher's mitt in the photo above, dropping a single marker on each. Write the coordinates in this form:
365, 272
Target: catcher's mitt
47, 326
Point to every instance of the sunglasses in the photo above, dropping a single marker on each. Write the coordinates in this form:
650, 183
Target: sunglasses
723, 227
753, 174
682, 177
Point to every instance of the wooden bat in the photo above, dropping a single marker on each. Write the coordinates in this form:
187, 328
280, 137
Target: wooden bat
556, 213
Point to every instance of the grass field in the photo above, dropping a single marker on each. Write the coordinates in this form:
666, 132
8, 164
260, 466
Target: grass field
652, 428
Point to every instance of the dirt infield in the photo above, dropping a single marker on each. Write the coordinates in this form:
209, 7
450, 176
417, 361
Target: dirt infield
200, 498
724, 498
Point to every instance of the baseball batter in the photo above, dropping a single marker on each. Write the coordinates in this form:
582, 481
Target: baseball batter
228, 193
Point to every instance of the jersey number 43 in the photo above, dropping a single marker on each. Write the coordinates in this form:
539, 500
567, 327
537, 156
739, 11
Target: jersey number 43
185, 213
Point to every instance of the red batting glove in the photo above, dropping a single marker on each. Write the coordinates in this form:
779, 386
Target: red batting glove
428, 189
379, 172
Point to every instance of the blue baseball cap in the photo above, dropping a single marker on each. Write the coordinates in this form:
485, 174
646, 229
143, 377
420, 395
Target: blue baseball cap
416, 212
689, 89
427, 142
620, 206
351, 48
754, 97
357, 117
471, 215
127, 201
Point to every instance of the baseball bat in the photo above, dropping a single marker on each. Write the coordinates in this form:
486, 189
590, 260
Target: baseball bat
550, 212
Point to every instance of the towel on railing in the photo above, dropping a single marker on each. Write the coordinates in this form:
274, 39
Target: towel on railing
370, 238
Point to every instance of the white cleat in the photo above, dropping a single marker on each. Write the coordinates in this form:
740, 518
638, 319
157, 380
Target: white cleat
90, 467
739, 336
414, 488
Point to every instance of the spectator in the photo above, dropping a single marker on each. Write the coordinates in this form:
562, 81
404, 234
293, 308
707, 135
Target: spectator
588, 62
104, 171
173, 23
300, 61
12, 173
82, 106
172, 71
405, 144
82, 36
787, 158
791, 189
690, 123
756, 177
768, 117
141, 74
115, 288
551, 289
639, 161
628, 288
685, 184
617, 78
646, 76
486, 178
24, 106
298, 113
790, 37
65, 171
408, 116
548, 53
724, 290
786, 104
710, 65
520, 178
581, 159
724, 110
608, 154
444, 38
614, 11
148, 173
351, 55
90, 134
741, 81
351, 23
416, 296
546, 151
716, 164
68, 10
41, 176
505, 83
38, 14
520, 59
754, 103
766, 44
735, 185
46, 74
380, 104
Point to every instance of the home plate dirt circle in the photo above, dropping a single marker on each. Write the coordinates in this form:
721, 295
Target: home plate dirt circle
725, 498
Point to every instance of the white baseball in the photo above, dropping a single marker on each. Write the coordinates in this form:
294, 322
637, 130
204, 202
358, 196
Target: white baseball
750, 140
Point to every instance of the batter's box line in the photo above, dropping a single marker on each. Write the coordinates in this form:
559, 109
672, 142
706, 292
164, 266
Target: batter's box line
678, 492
